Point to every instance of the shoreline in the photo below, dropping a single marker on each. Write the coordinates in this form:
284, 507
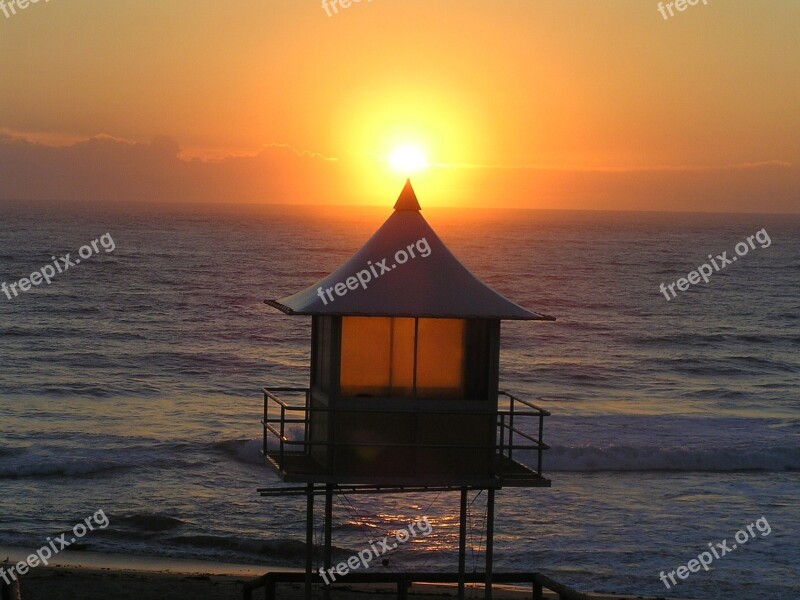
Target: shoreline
81, 560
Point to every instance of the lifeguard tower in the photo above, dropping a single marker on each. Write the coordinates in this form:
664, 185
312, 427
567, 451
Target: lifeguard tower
404, 389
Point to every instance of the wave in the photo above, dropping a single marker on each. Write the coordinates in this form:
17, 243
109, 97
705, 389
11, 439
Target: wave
613, 458
284, 548
83, 390
248, 451
10, 451
66, 332
244, 451
630, 458
93, 461
714, 393
49, 467
149, 522
700, 339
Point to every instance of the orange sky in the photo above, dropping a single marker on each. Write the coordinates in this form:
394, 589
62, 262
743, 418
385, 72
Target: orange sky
529, 103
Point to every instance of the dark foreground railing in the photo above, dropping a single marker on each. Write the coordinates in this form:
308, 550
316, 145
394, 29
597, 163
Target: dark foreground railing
9, 591
538, 582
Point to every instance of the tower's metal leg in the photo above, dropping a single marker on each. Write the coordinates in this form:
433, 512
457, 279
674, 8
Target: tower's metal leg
328, 534
489, 541
309, 538
462, 544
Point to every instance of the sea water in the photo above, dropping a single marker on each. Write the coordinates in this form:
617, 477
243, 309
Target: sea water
132, 384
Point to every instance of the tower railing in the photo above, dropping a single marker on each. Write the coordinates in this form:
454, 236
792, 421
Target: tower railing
507, 429
286, 430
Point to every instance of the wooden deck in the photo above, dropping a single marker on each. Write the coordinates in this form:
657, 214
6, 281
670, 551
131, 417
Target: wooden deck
299, 467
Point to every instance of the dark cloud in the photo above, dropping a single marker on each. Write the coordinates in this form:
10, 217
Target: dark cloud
105, 169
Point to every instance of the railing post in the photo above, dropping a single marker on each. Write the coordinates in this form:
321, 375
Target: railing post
402, 588
327, 559
462, 544
538, 591
489, 542
502, 433
283, 435
539, 451
511, 427
306, 447
329, 448
309, 539
266, 420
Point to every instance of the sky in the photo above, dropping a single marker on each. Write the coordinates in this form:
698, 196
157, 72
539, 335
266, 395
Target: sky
585, 104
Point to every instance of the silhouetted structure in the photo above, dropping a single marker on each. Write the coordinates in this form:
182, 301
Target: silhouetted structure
404, 385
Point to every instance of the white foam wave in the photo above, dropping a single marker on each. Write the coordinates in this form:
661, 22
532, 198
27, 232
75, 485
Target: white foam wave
628, 458
63, 468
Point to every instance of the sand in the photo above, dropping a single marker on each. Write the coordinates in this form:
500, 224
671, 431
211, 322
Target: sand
104, 584
102, 576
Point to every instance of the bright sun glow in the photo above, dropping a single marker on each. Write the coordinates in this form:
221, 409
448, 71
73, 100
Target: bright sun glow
408, 159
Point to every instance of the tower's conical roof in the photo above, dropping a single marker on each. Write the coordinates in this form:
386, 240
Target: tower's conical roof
408, 199
434, 283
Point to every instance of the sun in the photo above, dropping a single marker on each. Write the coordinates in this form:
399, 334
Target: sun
408, 159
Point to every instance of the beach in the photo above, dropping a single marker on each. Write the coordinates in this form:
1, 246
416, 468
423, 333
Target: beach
104, 576
83, 584
77, 583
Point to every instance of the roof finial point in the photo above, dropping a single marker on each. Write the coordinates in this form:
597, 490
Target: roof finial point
408, 199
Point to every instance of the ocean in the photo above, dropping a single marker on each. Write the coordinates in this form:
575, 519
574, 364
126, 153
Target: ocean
132, 384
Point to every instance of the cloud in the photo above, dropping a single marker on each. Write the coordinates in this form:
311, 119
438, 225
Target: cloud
106, 169
768, 187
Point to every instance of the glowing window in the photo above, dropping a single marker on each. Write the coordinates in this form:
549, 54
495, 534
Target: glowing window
402, 357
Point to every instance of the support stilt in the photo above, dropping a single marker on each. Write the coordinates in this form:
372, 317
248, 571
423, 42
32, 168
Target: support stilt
462, 544
309, 538
328, 534
489, 541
